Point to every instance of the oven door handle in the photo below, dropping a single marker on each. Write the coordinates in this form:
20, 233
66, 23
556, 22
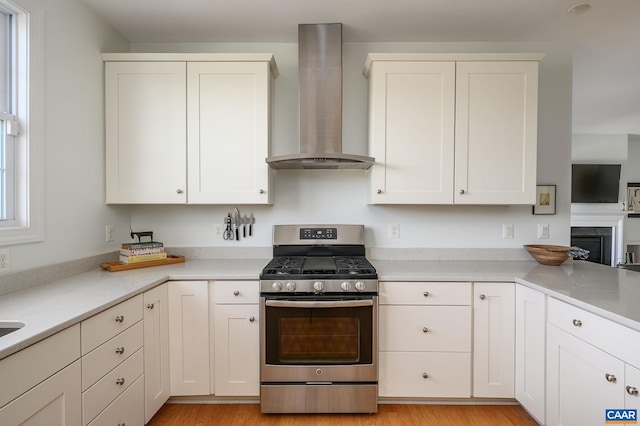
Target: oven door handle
319, 304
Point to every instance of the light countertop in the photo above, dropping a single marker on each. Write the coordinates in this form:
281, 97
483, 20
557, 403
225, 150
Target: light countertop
49, 308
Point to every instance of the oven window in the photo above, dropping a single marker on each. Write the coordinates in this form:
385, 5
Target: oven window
318, 335
319, 339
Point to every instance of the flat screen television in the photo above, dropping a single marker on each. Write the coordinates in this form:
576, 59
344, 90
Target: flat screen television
595, 183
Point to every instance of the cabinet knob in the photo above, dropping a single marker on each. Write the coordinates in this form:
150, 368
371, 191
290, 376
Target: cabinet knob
482, 297
120, 318
236, 292
425, 376
150, 306
120, 350
610, 378
120, 381
425, 294
577, 323
462, 191
261, 191
425, 330
631, 390
379, 191
252, 319
178, 191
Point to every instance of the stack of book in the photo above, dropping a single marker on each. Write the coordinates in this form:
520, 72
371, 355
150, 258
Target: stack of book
142, 252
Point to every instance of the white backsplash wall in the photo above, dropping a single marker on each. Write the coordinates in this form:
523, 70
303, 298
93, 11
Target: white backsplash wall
341, 196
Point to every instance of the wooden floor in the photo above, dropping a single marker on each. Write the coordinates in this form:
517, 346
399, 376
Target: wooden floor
388, 414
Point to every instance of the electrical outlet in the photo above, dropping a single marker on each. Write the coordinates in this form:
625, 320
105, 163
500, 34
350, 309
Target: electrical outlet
108, 233
394, 230
543, 231
507, 231
5, 260
218, 231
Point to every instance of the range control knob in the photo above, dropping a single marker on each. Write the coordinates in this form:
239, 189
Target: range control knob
360, 286
291, 286
318, 286
276, 286
345, 286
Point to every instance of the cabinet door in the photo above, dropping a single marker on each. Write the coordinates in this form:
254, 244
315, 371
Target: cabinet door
189, 338
228, 127
496, 132
632, 388
582, 381
156, 350
493, 340
146, 138
54, 402
530, 350
411, 119
237, 350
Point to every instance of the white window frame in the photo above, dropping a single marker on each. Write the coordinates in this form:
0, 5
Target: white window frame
28, 84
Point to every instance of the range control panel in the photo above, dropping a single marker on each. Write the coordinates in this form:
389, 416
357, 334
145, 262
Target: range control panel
318, 233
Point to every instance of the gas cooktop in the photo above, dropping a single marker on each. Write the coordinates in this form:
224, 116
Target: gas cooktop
308, 267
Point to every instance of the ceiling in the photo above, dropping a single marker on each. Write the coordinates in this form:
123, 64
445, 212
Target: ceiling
606, 80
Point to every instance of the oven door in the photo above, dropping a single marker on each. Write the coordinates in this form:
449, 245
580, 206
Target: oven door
319, 339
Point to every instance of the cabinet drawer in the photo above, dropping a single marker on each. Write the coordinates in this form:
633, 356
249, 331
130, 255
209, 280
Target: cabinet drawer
611, 337
242, 292
104, 358
100, 395
425, 293
127, 409
402, 374
32, 365
425, 328
103, 326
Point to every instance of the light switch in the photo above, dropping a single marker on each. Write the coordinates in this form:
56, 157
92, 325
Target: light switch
543, 230
507, 231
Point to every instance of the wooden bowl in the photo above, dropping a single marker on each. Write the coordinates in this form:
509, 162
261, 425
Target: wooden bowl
546, 254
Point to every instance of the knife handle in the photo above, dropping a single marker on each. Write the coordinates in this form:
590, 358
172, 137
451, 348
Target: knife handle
250, 229
237, 234
244, 231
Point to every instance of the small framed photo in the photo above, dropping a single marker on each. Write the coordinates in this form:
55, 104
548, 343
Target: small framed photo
545, 199
633, 197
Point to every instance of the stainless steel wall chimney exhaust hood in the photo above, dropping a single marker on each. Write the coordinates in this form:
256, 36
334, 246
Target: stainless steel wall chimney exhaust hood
320, 80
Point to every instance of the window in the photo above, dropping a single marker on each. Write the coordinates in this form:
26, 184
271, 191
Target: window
21, 123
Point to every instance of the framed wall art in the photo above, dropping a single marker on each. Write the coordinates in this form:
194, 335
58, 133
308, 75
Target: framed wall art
633, 199
545, 200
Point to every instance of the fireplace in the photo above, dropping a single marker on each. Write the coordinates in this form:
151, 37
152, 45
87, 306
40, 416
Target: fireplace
596, 239
602, 234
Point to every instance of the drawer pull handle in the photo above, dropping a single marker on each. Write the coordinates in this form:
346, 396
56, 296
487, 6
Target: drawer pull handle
425, 294
577, 323
425, 376
633, 391
379, 191
150, 306
482, 297
610, 378
252, 319
120, 381
425, 330
120, 350
236, 292
120, 318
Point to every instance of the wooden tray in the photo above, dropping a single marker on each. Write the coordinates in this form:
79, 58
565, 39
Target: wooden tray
119, 266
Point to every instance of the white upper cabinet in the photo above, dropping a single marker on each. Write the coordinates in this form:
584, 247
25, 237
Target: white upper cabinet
188, 128
146, 142
453, 129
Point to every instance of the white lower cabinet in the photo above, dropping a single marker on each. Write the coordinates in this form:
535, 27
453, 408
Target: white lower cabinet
531, 322
592, 365
493, 340
189, 337
237, 349
125, 410
156, 349
54, 402
425, 339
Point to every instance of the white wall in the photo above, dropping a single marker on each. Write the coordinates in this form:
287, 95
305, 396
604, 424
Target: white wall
336, 196
75, 213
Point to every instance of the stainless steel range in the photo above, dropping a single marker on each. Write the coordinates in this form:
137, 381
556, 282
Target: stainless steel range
319, 324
